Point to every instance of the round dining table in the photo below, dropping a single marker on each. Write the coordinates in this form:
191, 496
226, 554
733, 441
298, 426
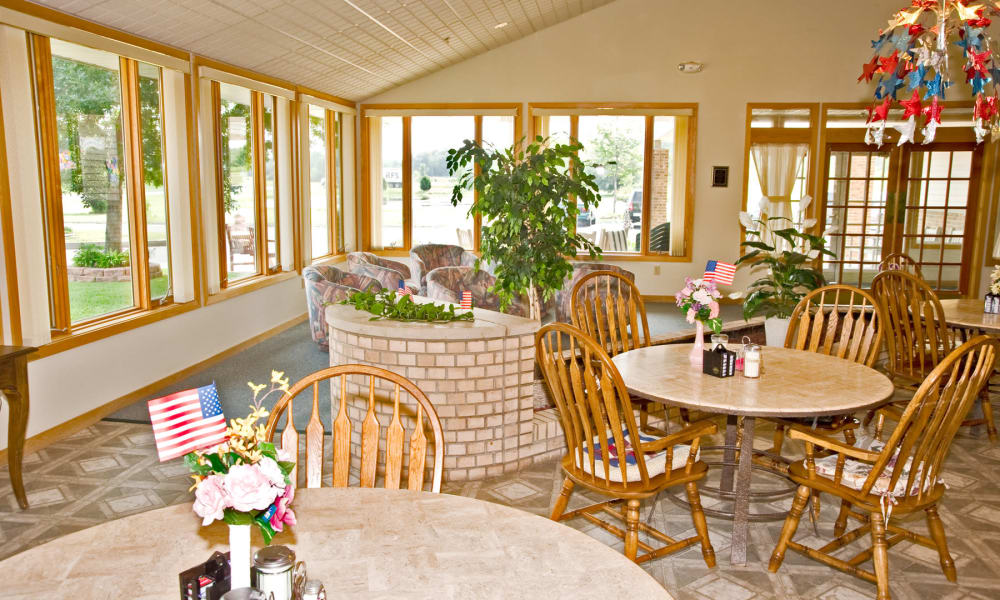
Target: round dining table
361, 543
968, 314
793, 383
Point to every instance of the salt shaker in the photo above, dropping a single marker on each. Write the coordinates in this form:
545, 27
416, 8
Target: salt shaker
272, 568
314, 590
752, 362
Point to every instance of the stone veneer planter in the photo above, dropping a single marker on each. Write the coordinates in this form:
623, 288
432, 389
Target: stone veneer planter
479, 375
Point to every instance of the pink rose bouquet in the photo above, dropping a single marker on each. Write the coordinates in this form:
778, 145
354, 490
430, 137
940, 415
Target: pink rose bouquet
699, 301
244, 481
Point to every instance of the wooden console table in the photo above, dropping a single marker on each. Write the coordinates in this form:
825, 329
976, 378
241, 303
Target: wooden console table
14, 385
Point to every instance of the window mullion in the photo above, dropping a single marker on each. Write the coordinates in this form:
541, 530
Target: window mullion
331, 182
477, 222
48, 142
220, 182
407, 186
647, 187
134, 186
259, 179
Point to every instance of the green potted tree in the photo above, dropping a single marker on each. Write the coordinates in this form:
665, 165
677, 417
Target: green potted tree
528, 197
783, 256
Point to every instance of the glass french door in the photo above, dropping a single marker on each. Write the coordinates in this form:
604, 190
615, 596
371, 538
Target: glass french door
917, 200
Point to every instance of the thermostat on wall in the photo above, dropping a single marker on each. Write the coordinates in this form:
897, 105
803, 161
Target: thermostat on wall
690, 67
720, 176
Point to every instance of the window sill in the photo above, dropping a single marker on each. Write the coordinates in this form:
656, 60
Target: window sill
104, 329
249, 285
329, 259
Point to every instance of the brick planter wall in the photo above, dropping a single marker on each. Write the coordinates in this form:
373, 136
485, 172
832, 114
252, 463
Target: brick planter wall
479, 376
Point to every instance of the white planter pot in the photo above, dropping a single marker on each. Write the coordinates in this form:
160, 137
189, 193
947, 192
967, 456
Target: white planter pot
775, 330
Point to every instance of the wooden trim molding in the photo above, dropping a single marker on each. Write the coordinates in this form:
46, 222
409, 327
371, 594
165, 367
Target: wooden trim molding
61, 431
7, 233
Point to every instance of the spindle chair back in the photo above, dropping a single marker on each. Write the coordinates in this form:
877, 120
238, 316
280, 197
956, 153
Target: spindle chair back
610, 309
898, 261
380, 382
900, 478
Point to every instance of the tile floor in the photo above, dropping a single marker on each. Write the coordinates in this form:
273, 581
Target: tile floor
110, 470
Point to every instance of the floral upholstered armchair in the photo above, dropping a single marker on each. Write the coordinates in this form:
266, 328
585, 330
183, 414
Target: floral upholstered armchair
389, 273
580, 269
329, 285
446, 284
428, 257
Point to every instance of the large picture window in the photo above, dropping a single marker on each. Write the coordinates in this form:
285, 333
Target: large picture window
408, 186
100, 127
642, 157
326, 181
247, 187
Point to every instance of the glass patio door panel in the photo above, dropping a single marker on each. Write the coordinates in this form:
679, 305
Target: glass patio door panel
939, 184
857, 197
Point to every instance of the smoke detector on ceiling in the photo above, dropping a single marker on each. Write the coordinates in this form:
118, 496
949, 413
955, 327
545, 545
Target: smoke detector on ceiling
690, 67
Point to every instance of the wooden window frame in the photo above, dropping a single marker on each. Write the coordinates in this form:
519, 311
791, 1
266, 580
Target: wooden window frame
256, 139
644, 254
61, 324
809, 136
334, 166
475, 111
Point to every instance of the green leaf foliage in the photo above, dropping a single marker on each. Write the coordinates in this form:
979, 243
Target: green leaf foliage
788, 274
528, 198
386, 304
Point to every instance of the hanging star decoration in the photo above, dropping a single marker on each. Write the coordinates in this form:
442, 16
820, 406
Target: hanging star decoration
913, 52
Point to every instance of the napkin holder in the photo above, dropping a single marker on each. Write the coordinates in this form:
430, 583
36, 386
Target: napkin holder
207, 581
719, 362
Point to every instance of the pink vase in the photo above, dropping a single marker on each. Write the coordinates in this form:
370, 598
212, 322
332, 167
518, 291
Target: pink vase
696, 355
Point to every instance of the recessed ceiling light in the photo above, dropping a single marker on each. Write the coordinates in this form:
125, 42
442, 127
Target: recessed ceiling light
501, 25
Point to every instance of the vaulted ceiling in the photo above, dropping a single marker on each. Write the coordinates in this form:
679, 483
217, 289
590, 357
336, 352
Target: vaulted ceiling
350, 48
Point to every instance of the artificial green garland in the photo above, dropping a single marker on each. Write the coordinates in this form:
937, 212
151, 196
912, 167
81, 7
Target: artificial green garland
385, 304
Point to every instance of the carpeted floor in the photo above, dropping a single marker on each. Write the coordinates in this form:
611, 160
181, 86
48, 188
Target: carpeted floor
294, 352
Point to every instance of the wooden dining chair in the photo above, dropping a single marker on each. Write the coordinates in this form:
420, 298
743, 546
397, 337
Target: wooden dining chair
898, 261
375, 464
917, 339
896, 479
835, 320
609, 308
608, 454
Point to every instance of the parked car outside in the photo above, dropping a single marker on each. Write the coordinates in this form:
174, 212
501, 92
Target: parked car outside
585, 218
633, 211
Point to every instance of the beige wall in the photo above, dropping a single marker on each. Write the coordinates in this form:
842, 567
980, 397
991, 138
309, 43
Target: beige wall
628, 51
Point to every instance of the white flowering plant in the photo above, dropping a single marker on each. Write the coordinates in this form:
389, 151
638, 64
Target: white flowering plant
784, 255
245, 480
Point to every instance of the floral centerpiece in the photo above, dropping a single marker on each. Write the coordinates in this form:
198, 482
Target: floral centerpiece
992, 304
244, 481
699, 301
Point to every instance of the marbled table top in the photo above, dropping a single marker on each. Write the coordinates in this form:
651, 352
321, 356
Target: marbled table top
968, 312
362, 543
794, 383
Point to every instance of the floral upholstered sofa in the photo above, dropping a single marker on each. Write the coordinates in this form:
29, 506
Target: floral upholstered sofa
446, 284
427, 257
389, 273
564, 296
328, 285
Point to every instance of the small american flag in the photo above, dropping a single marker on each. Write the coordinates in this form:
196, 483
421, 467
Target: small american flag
466, 300
720, 272
404, 290
186, 421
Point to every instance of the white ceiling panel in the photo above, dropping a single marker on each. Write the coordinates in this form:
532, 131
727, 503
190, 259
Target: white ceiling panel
349, 48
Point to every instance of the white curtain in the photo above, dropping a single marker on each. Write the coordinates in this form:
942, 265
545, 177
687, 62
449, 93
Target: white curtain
777, 165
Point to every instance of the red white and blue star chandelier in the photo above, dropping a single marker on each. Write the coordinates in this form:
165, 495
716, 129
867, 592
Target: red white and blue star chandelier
911, 62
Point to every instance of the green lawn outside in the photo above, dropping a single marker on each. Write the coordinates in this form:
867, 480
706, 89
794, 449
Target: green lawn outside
88, 299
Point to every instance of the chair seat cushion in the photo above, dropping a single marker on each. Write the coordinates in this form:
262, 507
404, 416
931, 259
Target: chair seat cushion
856, 473
656, 462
